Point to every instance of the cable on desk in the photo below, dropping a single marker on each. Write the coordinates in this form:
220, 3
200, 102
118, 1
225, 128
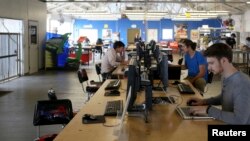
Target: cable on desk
173, 102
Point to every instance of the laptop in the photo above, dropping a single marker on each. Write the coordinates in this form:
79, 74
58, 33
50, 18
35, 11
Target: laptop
184, 113
117, 131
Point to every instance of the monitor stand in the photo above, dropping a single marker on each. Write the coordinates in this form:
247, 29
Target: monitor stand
143, 109
139, 111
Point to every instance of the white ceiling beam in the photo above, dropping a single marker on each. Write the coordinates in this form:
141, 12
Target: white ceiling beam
147, 1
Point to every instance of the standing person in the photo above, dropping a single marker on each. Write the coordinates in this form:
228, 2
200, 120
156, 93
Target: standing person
196, 64
231, 40
111, 59
235, 94
137, 38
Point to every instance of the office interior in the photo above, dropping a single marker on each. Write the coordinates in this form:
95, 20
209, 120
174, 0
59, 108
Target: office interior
27, 25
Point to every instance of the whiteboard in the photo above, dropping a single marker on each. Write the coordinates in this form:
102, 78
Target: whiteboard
92, 34
152, 35
167, 34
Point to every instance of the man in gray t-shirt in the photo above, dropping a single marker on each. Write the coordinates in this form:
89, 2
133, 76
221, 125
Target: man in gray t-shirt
235, 95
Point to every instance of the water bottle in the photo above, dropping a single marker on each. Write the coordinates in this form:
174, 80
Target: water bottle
52, 94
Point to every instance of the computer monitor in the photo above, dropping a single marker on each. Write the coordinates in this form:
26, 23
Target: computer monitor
174, 72
164, 70
147, 59
139, 50
135, 82
131, 84
160, 72
156, 53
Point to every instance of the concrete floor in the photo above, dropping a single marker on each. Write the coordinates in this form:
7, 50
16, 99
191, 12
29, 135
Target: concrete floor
17, 104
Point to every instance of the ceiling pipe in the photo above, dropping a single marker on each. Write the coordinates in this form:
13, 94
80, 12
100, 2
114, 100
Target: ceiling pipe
140, 1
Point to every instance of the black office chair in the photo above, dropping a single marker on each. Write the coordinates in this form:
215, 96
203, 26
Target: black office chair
98, 70
98, 47
89, 90
51, 112
180, 61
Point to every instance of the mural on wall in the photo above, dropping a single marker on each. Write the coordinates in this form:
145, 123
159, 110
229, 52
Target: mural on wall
194, 35
106, 33
180, 31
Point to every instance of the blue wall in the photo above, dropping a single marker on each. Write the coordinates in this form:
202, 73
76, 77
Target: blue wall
122, 25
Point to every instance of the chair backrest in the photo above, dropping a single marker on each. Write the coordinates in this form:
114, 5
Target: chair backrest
98, 68
48, 112
82, 75
180, 61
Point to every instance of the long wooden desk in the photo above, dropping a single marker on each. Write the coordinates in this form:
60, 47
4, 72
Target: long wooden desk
119, 71
164, 122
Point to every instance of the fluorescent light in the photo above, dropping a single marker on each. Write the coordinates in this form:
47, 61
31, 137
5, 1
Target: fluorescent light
207, 11
76, 13
248, 2
219, 13
143, 12
149, 13
201, 14
187, 19
197, 16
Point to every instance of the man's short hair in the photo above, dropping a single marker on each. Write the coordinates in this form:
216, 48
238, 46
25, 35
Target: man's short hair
118, 44
219, 50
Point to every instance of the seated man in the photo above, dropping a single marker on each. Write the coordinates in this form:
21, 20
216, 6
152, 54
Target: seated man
111, 59
196, 64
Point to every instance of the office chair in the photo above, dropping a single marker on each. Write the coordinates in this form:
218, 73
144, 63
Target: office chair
98, 47
180, 61
89, 90
51, 112
98, 70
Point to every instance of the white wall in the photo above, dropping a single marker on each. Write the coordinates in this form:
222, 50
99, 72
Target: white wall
247, 21
59, 24
27, 10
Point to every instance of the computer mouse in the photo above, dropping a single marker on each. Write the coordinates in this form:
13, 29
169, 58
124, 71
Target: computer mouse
89, 117
190, 102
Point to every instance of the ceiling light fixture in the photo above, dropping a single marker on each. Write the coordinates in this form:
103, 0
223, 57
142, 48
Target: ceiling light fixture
207, 11
188, 19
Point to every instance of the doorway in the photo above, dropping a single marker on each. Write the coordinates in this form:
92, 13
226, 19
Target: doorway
10, 49
131, 34
33, 47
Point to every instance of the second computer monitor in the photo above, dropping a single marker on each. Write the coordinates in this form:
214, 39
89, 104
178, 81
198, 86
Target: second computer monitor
174, 72
164, 70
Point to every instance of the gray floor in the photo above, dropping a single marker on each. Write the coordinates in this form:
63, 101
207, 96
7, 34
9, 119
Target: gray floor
18, 101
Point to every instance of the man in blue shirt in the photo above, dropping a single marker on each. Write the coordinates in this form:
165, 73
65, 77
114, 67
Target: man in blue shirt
196, 64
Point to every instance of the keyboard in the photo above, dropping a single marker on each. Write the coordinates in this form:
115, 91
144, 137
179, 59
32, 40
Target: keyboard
115, 84
185, 89
112, 107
